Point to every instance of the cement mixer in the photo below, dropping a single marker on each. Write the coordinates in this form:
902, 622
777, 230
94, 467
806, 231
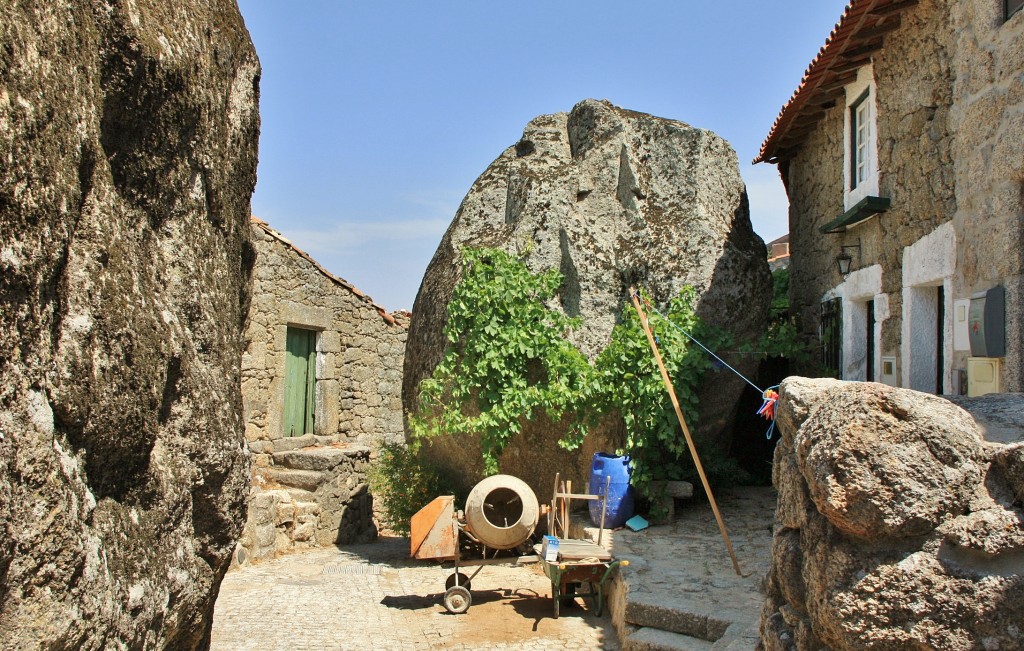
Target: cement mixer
501, 514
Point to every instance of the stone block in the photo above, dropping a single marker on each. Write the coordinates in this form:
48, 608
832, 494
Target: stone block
308, 480
262, 460
652, 639
266, 534
264, 501
303, 532
294, 442
330, 341
313, 458
299, 495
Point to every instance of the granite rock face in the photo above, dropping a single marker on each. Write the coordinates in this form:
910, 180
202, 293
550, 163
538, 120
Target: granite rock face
611, 198
128, 135
897, 525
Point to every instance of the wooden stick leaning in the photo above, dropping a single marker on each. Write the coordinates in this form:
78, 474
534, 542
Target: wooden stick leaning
686, 430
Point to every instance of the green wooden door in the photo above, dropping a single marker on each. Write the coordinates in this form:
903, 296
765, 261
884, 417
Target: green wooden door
300, 381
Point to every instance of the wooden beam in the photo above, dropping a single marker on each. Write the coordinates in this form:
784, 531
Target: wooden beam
880, 29
860, 50
849, 64
892, 7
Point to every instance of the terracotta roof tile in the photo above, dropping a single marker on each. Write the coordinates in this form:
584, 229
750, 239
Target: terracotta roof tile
400, 318
858, 33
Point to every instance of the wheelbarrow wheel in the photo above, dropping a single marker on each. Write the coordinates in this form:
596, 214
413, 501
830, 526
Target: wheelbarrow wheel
457, 578
457, 599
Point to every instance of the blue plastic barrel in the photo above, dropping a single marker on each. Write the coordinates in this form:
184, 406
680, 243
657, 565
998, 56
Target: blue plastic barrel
620, 493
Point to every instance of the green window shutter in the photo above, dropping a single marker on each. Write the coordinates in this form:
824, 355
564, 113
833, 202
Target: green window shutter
300, 382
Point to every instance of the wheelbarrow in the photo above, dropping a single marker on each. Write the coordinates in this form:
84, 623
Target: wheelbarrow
576, 562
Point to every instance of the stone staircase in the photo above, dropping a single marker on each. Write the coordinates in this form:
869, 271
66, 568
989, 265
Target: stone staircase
303, 497
680, 591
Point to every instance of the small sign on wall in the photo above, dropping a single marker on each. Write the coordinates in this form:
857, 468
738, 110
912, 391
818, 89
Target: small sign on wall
888, 374
961, 331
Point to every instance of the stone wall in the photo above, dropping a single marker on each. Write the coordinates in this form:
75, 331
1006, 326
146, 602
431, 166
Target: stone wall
949, 100
988, 173
310, 488
313, 495
897, 525
360, 349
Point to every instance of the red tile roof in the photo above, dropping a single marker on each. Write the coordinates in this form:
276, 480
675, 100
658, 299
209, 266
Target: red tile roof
855, 37
403, 316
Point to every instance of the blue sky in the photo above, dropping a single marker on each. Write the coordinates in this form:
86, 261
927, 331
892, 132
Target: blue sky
378, 116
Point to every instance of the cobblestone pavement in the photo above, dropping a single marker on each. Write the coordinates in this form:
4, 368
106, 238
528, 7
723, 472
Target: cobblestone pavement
375, 597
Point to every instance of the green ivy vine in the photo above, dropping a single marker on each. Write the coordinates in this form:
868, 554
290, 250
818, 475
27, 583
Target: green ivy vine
631, 384
509, 356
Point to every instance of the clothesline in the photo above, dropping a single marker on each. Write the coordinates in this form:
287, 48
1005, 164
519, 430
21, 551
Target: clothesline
770, 396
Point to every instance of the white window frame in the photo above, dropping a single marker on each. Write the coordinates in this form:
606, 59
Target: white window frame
860, 149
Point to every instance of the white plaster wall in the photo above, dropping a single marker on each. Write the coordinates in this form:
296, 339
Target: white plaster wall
927, 263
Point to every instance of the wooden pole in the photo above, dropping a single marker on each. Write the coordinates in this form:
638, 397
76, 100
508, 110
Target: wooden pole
686, 430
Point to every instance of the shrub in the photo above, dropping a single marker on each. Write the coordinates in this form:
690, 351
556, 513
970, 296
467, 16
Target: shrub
403, 483
507, 357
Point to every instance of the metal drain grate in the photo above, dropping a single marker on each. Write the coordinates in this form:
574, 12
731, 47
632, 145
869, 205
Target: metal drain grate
352, 568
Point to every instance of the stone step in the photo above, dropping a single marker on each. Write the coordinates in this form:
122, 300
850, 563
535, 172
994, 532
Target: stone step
741, 636
301, 495
307, 480
688, 616
653, 639
310, 458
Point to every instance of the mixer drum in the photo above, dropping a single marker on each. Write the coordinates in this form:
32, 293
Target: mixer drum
502, 511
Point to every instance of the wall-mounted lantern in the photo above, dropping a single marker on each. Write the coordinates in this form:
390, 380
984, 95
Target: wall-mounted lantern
844, 261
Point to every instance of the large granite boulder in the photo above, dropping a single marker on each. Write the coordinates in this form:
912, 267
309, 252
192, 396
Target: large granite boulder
611, 198
898, 526
128, 135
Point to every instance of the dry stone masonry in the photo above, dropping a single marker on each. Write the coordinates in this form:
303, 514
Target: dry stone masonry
312, 427
611, 198
313, 496
128, 135
897, 525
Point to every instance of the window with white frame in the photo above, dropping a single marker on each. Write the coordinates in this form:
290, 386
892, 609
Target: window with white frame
860, 171
860, 130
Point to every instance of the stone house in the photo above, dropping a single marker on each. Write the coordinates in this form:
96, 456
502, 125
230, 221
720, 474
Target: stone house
321, 388
902, 152
778, 253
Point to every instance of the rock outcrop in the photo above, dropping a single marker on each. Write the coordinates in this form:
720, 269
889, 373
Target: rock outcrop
611, 198
128, 135
897, 525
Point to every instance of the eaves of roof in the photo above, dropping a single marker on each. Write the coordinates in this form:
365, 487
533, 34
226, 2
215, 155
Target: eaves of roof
388, 317
858, 34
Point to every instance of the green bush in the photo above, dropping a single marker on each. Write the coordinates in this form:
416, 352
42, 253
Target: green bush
403, 483
507, 357
630, 383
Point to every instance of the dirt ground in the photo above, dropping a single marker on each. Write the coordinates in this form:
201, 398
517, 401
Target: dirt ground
374, 596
